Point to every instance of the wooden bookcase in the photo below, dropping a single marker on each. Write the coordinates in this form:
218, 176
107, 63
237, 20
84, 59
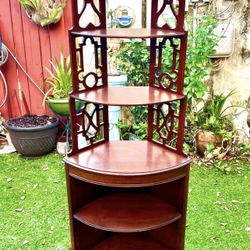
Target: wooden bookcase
127, 195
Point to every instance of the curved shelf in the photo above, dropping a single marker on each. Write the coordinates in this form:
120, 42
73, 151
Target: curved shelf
130, 33
127, 96
125, 242
127, 213
127, 158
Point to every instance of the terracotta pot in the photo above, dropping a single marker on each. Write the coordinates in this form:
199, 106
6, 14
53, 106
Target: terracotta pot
203, 138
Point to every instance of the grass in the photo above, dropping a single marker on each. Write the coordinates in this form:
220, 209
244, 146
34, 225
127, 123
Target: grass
33, 208
219, 208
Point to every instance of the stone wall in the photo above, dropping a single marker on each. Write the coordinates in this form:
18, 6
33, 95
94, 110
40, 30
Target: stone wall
234, 72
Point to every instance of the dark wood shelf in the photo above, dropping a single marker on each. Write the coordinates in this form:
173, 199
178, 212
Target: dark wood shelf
127, 96
128, 242
127, 213
128, 158
127, 195
130, 33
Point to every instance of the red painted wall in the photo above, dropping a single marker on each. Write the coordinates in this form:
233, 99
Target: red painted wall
33, 46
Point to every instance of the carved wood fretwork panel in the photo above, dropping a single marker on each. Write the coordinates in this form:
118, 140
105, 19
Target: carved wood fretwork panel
89, 125
168, 124
93, 9
165, 123
168, 14
88, 62
166, 68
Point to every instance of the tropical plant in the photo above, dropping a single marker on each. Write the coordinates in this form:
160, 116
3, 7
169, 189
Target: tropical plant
44, 12
133, 60
134, 123
213, 116
201, 44
59, 83
30, 5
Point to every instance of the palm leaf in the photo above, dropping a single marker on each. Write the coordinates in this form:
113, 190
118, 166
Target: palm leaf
60, 79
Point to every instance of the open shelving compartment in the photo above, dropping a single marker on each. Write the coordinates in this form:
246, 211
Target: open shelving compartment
127, 194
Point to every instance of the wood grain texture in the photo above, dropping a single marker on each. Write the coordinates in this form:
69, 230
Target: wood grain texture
11, 107
127, 181
9, 69
128, 158
138, 188
130, 33
127, 213
127, 96
34, 64
128, 242
23, 91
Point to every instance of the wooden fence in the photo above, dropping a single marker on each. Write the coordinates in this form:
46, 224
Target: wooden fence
33, 46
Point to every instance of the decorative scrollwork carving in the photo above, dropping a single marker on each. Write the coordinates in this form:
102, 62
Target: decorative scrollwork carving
88, 51
167, 15
88, 8
165, 123
166, 76
90, 123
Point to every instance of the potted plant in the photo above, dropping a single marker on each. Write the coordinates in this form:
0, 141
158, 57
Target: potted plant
33, 135
44, 12
58, 85
213, 123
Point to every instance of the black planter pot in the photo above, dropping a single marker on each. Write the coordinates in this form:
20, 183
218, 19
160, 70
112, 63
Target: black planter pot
33, 141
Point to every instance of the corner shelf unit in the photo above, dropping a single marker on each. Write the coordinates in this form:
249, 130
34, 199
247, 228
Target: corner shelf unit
127, 195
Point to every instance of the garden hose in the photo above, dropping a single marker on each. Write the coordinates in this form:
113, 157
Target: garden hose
24, 71
3, 59
4, 52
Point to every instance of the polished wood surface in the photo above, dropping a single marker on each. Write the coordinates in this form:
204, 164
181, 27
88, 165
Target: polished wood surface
127, 96
130, 33
128, 158
127, 212
137, 187
128, 242
82, 193
128, 181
